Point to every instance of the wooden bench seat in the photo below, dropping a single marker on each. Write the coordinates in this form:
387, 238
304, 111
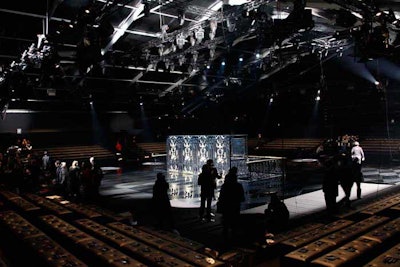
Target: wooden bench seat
346, 253
155, 256
45, 247
390, 258
310, 251
179, 251
105, 253
308, 237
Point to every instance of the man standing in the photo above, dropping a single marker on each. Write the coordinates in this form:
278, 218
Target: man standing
357, 155
207, 181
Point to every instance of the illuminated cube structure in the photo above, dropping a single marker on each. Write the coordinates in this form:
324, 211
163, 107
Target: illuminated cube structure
187, 154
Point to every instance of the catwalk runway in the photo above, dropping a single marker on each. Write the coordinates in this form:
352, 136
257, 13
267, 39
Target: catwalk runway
137, 184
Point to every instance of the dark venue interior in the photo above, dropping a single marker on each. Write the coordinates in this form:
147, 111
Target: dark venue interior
111, 110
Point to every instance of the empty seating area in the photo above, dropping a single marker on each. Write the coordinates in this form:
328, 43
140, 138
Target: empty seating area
81, 152
366, 237
51, 231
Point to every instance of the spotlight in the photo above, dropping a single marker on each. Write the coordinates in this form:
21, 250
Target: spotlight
87, 11
318, 98
377, 83
141, 103
223, 63
258, 55
208, 67
240, 59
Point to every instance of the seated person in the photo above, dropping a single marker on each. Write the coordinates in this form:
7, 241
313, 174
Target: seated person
277, 214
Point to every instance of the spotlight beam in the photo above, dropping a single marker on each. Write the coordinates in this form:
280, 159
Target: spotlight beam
124, 25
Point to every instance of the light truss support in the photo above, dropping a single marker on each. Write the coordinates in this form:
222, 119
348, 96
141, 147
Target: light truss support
124, 25
171, 87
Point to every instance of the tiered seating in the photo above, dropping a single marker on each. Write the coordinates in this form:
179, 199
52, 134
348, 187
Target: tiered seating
69, 153
154, 256
381, 205
361, 245
99, 245
152, 148
308, 237
43, 202
180, 240
47, 249
95, 247
18, 201
326, 243
291, 143
380, 145
170, 247
387, 258
296, 232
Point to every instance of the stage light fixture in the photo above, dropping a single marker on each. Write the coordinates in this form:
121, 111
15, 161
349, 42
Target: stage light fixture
258, 55
377, 83
318, 98
180, 41
223, 63
199, 34
240, 59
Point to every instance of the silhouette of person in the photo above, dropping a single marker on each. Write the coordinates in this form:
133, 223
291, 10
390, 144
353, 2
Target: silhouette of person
161, 203
330, 184
97, 176
344, 173
207, 181
231, 195
357, 155
277, 214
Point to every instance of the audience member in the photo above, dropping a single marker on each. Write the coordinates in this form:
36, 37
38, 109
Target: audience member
357, 155
231, 195
74, 180
207, 181
97, 176
161, 203
330, 184
277, 214
344, 174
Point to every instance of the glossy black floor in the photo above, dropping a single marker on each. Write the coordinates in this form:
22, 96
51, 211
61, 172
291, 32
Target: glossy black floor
131, 189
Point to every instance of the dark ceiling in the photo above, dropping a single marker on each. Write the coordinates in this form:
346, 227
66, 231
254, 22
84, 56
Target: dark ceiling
177, 56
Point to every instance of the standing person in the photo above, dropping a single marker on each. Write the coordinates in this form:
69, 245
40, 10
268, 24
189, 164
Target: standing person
45, 161
330, 184
207, 181
161, 203
97, 176
357, 155
344, 173
74, 179
231, 195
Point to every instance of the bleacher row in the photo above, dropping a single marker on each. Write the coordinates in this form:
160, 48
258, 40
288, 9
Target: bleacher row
57, 232
370, 145
70, 153
366, 236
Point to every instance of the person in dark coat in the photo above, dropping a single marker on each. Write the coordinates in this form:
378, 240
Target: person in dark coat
345, 176
161, 203
330, 184
230, 197
277, 214
207, 181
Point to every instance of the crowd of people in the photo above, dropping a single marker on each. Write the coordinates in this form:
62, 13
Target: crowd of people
342, 161
24, 170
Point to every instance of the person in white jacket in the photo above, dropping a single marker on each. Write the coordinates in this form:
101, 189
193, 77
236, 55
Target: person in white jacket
357, 155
